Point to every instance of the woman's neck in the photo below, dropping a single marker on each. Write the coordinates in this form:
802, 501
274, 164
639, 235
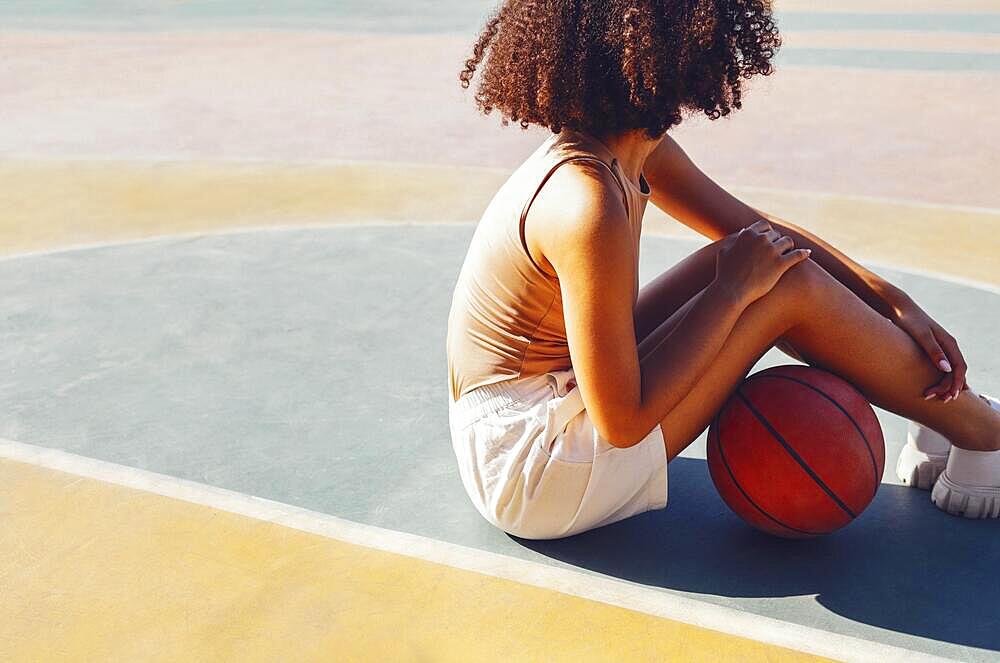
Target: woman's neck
631, 148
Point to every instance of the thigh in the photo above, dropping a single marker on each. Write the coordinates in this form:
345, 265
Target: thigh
757, 329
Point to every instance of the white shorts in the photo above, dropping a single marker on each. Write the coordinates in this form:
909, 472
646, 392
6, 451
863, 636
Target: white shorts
535, 466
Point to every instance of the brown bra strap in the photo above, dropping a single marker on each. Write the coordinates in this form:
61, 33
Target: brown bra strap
524, 211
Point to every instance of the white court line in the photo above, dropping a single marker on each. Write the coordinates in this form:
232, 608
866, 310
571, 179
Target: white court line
612, 591
937, 276
247, 230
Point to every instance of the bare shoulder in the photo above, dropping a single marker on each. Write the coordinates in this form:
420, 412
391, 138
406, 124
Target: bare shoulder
580, 202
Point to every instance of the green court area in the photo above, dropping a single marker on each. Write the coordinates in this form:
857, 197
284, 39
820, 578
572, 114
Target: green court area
306, 366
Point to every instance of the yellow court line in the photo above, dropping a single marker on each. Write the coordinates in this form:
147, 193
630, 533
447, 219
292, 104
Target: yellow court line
96, 571
47, 205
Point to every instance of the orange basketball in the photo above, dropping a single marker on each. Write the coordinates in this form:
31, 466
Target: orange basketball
796, 451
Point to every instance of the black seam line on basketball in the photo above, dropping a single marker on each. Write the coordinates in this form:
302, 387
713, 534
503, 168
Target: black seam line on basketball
871, 454
725, 463
798, 459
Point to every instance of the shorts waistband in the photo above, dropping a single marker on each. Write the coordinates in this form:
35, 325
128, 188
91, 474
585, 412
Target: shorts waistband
495, 396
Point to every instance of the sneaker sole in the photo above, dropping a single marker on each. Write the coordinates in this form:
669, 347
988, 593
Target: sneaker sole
918, 469
967, 501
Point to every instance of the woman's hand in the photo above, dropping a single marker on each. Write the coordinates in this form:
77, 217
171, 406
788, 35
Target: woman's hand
753, 259
940, 346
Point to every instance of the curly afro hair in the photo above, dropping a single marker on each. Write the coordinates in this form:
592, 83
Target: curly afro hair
603, 67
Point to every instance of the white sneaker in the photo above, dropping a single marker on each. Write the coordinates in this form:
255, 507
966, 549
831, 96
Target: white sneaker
962, 499
923, 458
977, 494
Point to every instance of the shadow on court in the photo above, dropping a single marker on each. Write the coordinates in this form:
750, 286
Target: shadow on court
901, 565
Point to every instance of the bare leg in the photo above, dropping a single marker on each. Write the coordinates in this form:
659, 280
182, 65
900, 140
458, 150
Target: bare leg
675, 288
833, 329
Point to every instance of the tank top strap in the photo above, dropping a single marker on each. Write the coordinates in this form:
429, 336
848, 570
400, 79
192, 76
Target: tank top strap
565, 158
577, 143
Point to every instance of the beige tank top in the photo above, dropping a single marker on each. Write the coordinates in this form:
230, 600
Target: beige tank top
506, 318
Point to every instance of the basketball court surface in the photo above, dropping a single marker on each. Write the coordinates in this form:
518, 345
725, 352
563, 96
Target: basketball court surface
228, 257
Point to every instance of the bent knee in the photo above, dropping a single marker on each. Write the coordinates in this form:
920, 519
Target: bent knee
804, 280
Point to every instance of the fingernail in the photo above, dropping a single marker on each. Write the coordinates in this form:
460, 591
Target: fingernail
945, 366
928, 397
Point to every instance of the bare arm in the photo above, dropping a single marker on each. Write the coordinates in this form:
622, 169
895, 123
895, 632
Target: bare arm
869, 286
684, 192
592, 258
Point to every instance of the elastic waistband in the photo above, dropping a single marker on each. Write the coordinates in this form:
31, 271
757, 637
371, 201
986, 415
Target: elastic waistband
495, 396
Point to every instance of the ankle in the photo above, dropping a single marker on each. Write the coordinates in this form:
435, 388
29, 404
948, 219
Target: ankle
974, 467
990, 439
